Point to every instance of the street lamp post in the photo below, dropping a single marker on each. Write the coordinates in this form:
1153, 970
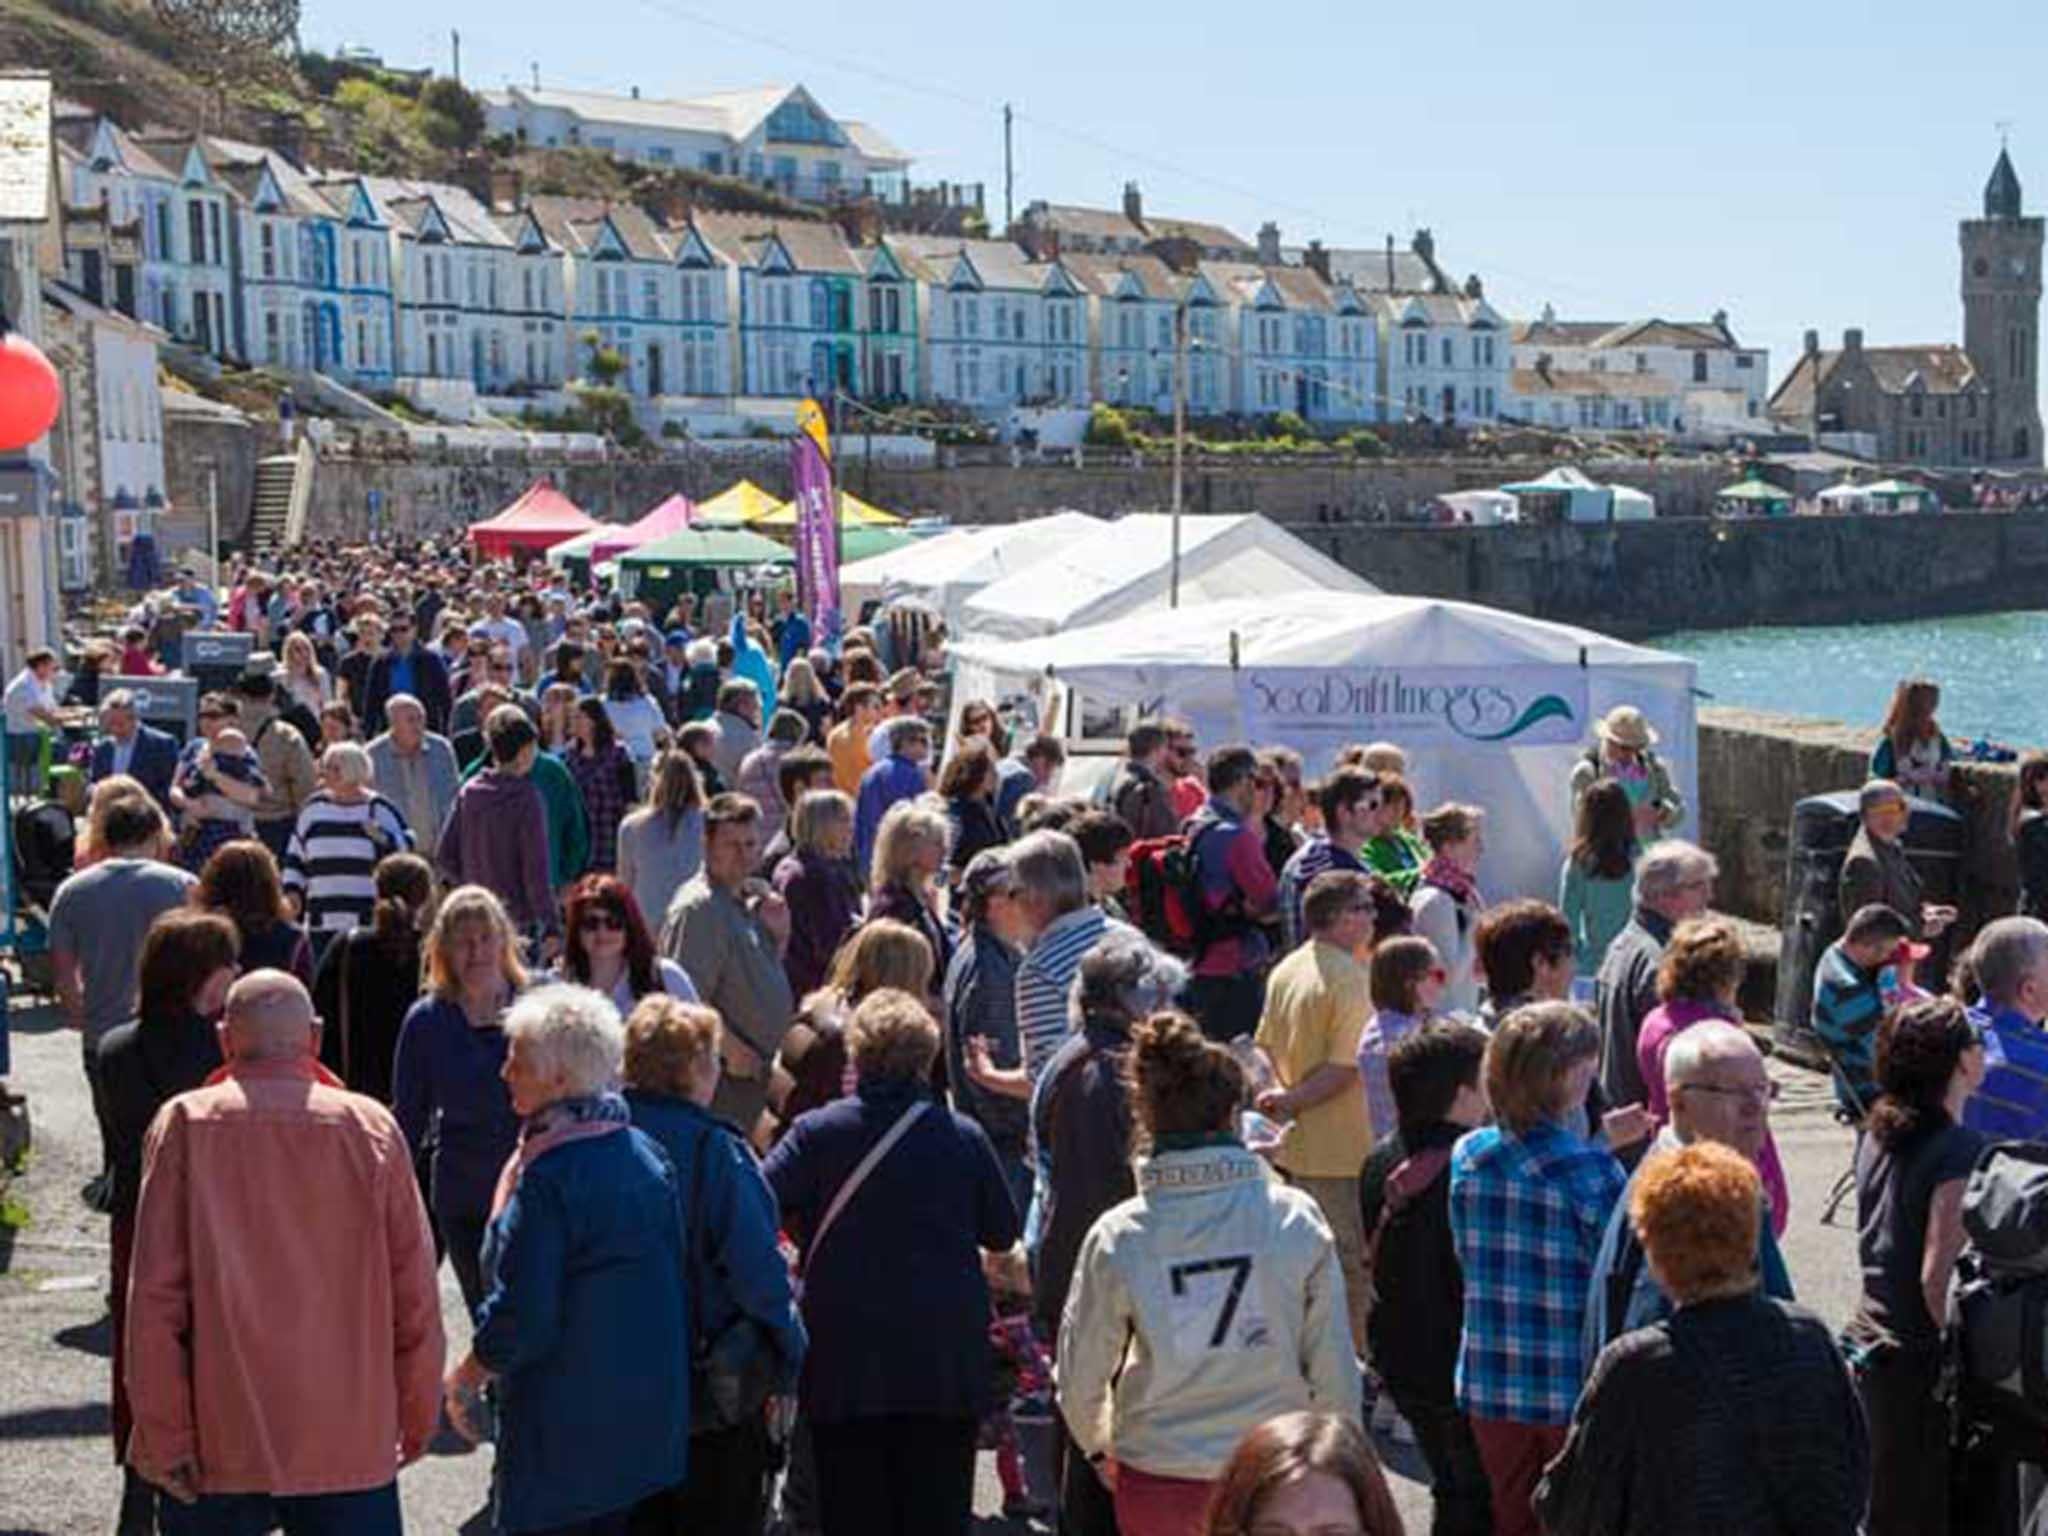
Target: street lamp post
1180, 423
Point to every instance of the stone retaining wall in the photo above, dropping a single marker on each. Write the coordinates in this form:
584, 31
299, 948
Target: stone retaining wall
1754, 765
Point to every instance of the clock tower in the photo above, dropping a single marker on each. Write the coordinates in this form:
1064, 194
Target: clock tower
2002, 315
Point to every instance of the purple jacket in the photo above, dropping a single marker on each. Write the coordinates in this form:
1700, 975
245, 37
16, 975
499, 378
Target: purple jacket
497, 837
824, 904
888, 781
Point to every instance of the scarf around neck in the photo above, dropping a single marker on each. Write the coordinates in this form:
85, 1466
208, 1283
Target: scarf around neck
1445, 875
554, 1125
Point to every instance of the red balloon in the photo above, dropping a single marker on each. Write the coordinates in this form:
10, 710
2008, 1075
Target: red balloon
30, 393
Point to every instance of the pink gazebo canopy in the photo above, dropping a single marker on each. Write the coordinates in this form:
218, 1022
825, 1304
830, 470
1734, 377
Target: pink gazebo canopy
671, 516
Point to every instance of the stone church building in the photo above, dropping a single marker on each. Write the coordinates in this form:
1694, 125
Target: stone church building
1944, 405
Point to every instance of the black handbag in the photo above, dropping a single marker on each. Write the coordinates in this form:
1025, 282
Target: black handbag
733, 1373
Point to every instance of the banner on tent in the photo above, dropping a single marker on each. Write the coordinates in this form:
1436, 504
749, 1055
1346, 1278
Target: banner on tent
1428, 707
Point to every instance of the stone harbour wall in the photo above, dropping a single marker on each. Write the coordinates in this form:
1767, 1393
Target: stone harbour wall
1643, 579
1753, 767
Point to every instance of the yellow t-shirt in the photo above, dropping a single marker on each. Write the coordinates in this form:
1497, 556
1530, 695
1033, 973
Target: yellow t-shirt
1317, 1002
848, 750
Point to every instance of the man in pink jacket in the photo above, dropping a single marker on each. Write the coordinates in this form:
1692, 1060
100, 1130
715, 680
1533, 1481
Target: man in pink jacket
284, 1339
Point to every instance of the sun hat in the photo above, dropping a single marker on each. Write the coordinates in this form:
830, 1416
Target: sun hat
1625, 726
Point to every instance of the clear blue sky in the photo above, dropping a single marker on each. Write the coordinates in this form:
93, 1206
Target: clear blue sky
1797, 163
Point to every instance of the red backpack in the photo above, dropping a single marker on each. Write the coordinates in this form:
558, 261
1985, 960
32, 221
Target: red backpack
1163, 892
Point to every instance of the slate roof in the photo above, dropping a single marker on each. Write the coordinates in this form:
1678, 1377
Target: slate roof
1000, 263
1940, 369
1208, 236
1537, 383
813, 244
1097, 224
469, 221
1103, 275
241, 166
1366, 269
573, 224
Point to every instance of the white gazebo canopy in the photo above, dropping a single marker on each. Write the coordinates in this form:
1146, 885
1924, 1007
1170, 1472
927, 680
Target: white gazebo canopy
1492, 707
944, 571
1125, 567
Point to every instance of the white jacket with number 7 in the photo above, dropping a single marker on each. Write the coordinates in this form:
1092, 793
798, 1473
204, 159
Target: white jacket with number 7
1201, 1307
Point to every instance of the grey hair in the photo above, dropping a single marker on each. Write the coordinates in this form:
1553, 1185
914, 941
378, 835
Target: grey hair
701, 652
1125, 976
399, 701
120, 698
899, 730
1709, 1040
572, 1032
351, 762
1048, 864
1667, 865
2005, 951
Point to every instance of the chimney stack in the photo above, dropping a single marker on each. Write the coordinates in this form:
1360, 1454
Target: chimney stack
1317, 259
1391, 284
1852, 341
636, 93
1134, 204
1473, 290
1812, 343
1269, 244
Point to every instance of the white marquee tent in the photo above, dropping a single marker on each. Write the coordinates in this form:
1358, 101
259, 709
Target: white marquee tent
1124, 568
1493, 708
944, 571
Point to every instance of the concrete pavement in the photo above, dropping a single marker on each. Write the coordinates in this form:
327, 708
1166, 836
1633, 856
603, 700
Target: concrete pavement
57, 1476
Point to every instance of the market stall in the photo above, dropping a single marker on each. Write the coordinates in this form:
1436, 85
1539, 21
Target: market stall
1752, 497
853, 513
669, 516
698, 560
945, 570
1126, 567
1492, 707
539, 519
737, 505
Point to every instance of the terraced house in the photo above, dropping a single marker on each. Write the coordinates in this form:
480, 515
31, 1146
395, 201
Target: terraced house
199, 304
363, 286
1445, 356
1000, 329
620, 281
801, 289
459, 281
1294, 342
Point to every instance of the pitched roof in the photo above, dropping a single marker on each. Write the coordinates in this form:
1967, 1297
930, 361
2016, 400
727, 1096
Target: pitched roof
1940, 369
1367, 269
814, 245
72, 302
234, 160
1104, 275
1435, 308
25, 163
1207, 236
999, 263
1535, 383
469, 221
872, 142
80, 133
1098, 224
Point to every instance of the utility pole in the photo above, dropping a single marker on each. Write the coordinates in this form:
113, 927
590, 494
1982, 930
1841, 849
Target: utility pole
455, 39
1009, 172
1180, 429
535, 67
213, 519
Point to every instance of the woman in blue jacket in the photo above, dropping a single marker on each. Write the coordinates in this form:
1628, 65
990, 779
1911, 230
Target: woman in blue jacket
892, 1196
747, 1339
583, 1262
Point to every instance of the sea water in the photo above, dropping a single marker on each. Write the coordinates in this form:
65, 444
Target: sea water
1992, 668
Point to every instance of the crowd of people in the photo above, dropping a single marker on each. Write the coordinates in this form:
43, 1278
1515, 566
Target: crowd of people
805, 1081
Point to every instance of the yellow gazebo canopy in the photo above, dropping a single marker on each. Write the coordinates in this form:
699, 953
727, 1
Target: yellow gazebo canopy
853, 513
735, 506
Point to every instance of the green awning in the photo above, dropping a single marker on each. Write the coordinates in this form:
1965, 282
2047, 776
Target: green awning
1752, 490
708, 546
866, 543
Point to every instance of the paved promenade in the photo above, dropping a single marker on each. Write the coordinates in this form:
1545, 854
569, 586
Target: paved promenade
57, 1476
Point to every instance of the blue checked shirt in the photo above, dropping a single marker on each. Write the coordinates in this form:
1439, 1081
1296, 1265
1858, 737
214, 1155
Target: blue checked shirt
1527, 1217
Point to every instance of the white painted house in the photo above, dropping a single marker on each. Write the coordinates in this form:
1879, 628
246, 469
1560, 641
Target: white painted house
775, 136
1000, 329
1296, 343
114, 436
1444, 357
365, 280
198, 291
802, 292
1715, 386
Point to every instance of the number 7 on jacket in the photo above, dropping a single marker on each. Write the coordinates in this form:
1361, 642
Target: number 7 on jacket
1189, 1306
